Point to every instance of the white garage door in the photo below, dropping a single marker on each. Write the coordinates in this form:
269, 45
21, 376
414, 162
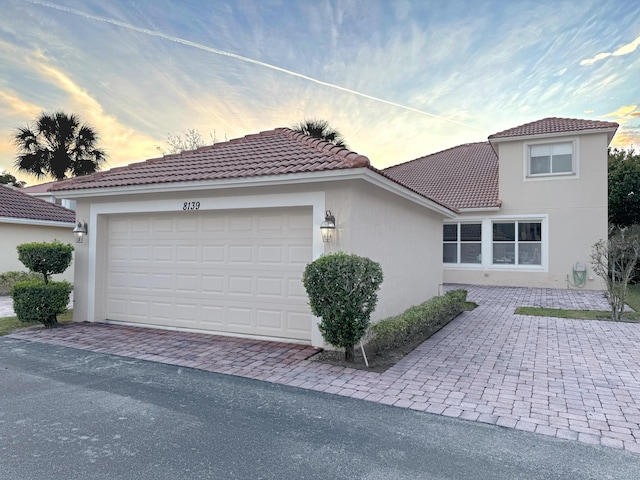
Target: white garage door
236, 271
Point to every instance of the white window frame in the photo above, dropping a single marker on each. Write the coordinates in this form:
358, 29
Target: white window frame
487, 244
458, 242
573, 174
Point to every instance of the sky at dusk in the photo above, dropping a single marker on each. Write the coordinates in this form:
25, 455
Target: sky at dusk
399, 79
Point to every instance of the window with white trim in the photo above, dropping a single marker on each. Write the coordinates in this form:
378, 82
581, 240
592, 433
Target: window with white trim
551, 159
517, 243
462, 243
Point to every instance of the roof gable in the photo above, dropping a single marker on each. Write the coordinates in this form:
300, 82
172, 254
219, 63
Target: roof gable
274, 152
19, 205
555, 125
462, 177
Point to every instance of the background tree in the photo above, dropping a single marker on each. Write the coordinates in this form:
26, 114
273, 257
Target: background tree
318, 128
624, 187
7, 179
189, 140
56, 145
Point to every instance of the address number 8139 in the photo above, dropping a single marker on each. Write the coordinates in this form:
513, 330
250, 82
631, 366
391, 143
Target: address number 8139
191, 206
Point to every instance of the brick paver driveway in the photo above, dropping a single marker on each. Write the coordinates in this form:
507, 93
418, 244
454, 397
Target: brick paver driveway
571, 379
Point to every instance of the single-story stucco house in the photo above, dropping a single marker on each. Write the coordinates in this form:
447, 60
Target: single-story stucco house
216, 239
25, 219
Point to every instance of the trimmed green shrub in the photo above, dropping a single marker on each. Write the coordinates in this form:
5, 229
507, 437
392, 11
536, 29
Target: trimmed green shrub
9, 279
46, 258
419, 321
37, 301
342, 290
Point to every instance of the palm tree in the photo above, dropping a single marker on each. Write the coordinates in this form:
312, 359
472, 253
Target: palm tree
318, 128
57, 144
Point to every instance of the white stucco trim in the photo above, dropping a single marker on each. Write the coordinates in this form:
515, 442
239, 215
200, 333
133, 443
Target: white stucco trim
237, 202
574, 175
42, 223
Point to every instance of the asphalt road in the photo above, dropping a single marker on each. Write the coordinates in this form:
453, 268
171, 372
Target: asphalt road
69, 414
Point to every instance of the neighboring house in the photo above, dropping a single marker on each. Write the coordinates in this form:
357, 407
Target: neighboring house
43, 192
532, 202
216, 239
25, 219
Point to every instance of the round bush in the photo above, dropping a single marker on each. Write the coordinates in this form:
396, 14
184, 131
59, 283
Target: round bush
342, 290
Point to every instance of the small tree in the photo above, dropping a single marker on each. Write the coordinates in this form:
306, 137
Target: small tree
42, 300
342, 290
614, 260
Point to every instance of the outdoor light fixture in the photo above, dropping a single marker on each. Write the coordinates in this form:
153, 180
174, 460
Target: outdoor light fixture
328, 227
80, 231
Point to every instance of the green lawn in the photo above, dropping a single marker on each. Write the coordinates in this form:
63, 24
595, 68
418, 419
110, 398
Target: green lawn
9, 324
633, 300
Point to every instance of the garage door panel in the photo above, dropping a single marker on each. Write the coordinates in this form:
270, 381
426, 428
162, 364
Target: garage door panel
270, 286
242, 254
213, 254
234, 271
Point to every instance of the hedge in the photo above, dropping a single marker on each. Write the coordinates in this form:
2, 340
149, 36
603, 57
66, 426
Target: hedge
37, 301
419, 321
9, 279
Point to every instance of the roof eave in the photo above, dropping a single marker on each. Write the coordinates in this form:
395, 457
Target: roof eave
42, 223
609, 131
365, 173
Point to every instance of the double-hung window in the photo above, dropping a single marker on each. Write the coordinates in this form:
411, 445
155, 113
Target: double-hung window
551, 159
462, 243
517, 243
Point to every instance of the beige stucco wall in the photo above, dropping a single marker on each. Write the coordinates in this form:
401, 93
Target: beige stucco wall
403, 236
13, 234
575, 207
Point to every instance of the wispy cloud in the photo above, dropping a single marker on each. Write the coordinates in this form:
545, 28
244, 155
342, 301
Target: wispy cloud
623, 50
241, 58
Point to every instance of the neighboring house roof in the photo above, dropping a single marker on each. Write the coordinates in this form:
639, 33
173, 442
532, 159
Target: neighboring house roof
554, 125
274, 152
44, 187
14, 204
462, 177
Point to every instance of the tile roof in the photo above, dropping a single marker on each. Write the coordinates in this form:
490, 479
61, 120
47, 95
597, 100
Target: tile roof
16, 204
44, 187
554, 125
274, 152
462, 177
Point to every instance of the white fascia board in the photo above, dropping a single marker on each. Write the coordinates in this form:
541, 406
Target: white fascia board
40, 223
609, 131
479, 209
262, 181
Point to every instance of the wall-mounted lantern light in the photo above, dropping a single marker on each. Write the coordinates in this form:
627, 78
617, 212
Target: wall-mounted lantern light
328, 227
80, 231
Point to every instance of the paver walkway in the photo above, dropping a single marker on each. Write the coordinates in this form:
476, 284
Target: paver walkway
572, 379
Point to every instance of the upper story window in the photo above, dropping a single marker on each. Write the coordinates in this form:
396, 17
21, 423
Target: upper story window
462, 243
551, 159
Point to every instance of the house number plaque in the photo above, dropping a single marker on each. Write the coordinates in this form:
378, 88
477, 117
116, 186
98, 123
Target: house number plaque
191, 206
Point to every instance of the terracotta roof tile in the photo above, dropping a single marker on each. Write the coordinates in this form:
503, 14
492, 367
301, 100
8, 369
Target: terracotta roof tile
273, 152
462, 177
554, 125
16, 204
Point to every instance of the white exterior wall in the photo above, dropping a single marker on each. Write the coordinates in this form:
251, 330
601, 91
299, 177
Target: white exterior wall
400, 234
14, 234
574, 208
